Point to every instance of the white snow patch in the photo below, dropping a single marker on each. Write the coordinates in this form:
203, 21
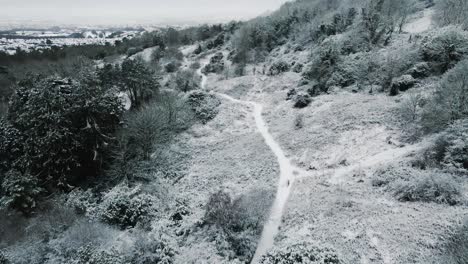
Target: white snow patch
421, 24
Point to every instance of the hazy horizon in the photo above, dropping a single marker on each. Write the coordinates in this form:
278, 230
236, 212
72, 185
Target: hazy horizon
133, 12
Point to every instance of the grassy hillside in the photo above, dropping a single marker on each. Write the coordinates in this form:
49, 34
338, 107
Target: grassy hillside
134, 157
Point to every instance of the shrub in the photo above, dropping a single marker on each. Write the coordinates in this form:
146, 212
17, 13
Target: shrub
302, 100
204, 105
172, 66
291, 94
132, 51
173, 53
157, 54
186, 80
301, 253
241, 219
216, 64
420, 70
127, 207
451, 150
152, 250
20, 192
324, 61
84, 234
456, 250
298, 67
195, 66
445, 49
299, 121
402, 84
450, 100
428, 187
278, 68
91, 255
218, 210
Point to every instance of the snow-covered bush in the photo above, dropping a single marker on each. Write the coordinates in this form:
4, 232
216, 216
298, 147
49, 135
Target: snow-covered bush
150, 249
450, 100
218, 209
302, 100
90, 255
420, 70
299, 121
301, 253
204, 105
83, 202
278, 67
20, 192
452, 147
241, 220
126, 207
186, 80
456, 249
172, 66
298, 67
291, 93
84, 233
173, 53
401, 84
216, 64
324, 61
133, 50
428, 187
414, 185
195, 66
444, 50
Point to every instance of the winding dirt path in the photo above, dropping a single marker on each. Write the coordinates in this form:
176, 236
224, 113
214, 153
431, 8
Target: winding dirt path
287, 173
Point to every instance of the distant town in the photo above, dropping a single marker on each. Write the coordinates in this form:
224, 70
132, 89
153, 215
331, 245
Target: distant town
39, 39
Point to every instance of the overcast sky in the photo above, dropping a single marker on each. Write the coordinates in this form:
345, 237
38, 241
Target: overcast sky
138, 11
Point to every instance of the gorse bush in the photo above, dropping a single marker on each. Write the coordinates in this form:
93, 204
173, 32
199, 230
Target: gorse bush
241, 220
216, 64
204, 105
444, 50
186, 80
126, 207
301, 253
450, 100
150, 249
428, 187
278, 68
323, 65
90, 255
451, 148
456, 249
414, 185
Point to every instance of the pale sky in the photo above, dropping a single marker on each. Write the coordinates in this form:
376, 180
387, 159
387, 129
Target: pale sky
138, 11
